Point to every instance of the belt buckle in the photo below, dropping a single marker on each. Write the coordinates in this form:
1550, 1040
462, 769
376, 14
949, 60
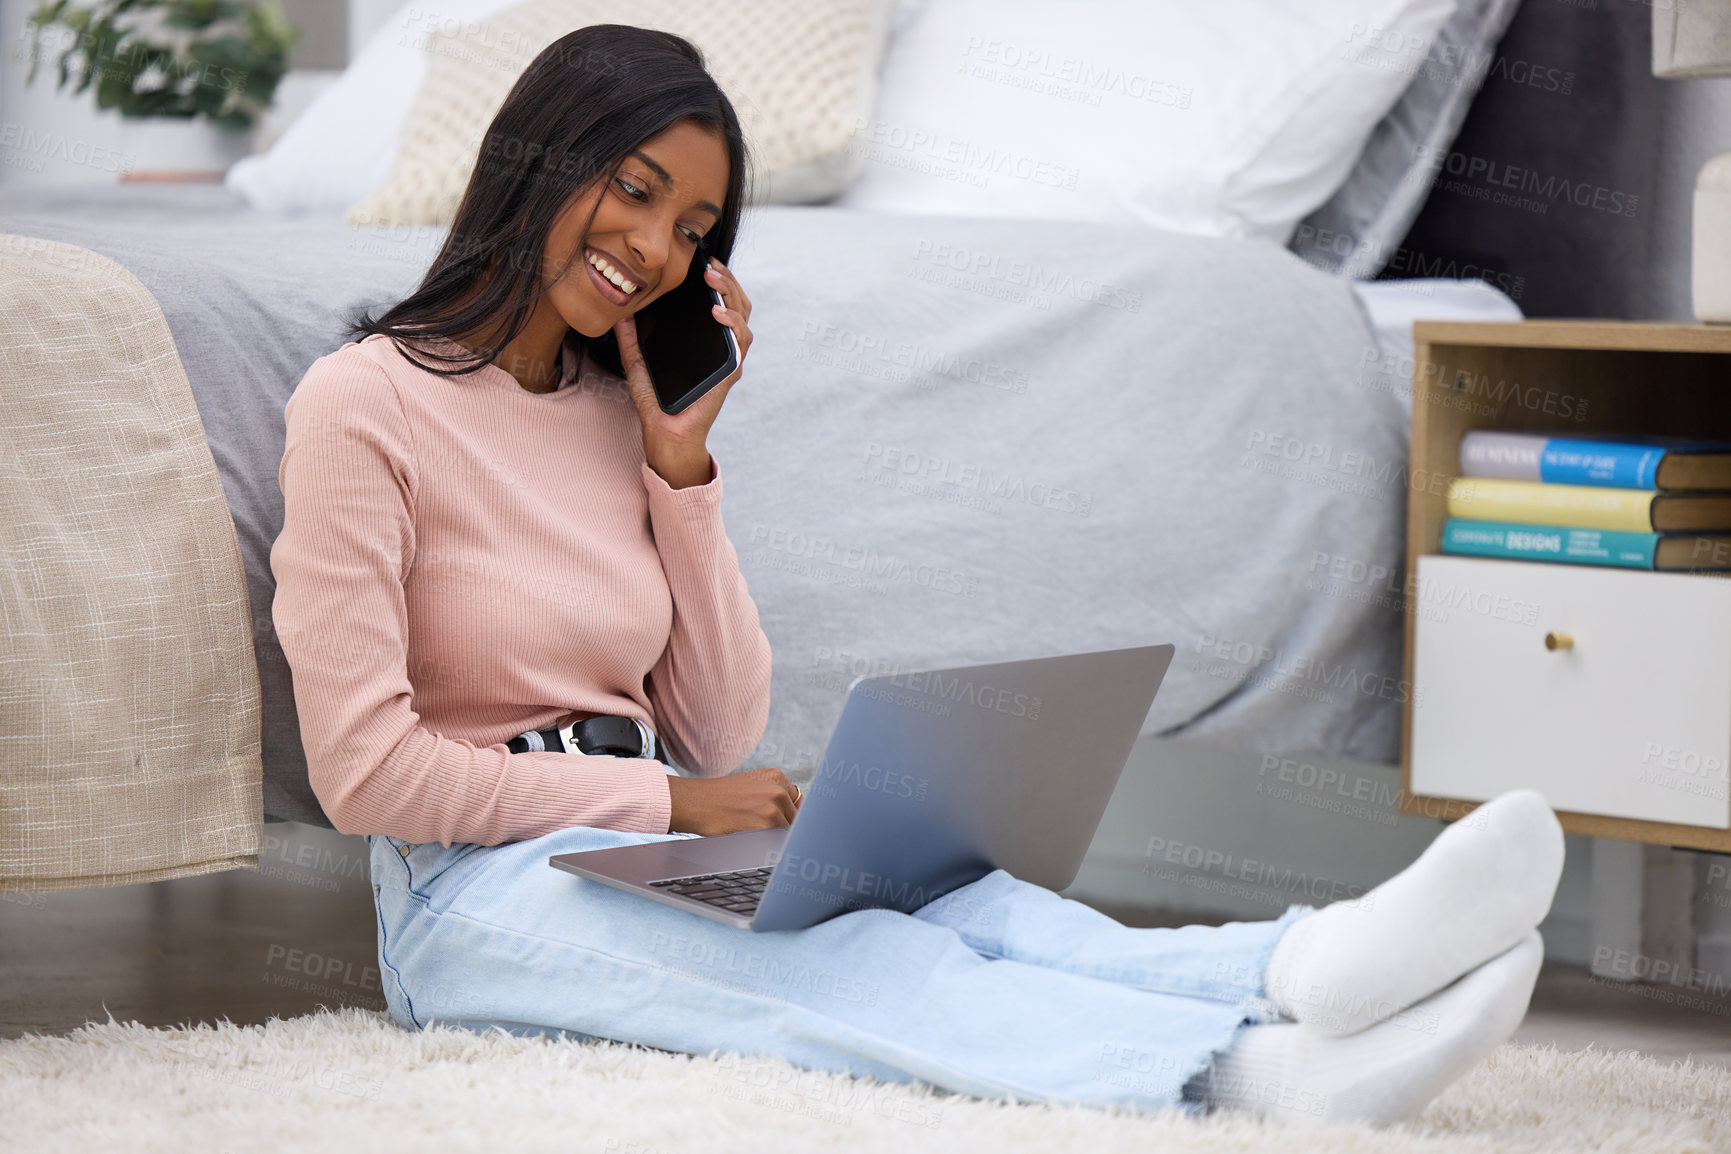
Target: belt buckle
568, 736
645, 737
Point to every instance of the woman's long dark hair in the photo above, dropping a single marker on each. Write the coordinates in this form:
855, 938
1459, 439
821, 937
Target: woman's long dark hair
574, 115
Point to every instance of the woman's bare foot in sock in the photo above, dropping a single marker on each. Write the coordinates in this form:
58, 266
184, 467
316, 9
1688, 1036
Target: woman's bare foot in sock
1476, 891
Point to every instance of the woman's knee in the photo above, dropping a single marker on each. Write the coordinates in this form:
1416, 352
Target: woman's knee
977, 906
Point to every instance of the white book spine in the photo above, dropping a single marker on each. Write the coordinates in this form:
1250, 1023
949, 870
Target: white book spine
1502, 456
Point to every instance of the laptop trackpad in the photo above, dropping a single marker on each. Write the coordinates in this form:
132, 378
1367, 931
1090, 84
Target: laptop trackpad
733, 851
677, 865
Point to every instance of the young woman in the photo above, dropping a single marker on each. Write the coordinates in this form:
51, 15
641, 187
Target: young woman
486, 539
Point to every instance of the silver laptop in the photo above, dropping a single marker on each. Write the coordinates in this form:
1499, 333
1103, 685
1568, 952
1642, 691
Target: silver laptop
931, 780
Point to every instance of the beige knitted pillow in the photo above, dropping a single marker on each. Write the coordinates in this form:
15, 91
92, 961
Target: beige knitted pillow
800, 73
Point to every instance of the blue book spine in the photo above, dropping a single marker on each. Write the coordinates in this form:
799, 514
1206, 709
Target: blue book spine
1549, 543
1618, 466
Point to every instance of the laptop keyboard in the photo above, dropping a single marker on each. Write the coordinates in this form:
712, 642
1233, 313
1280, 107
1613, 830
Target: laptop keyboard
737, 891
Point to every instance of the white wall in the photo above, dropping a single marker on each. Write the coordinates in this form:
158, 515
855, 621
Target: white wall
367, 17
1697, 125
48, 136
324, 32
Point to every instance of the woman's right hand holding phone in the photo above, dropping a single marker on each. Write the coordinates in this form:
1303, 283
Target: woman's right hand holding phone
674, 444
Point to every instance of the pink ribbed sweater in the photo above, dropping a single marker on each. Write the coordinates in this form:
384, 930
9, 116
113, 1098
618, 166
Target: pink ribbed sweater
462, 560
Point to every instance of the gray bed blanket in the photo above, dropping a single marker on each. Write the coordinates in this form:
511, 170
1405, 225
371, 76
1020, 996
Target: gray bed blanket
956, 441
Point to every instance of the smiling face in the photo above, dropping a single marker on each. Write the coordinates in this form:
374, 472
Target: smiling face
649, 217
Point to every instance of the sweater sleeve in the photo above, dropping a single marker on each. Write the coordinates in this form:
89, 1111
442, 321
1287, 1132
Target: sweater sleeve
710, 689
349, 481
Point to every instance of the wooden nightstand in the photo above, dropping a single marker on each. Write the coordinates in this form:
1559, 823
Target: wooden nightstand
1623, 719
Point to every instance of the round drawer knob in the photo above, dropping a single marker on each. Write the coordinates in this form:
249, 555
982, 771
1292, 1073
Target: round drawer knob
1555, 640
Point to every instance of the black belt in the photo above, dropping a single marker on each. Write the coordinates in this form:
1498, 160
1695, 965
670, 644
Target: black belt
606, 735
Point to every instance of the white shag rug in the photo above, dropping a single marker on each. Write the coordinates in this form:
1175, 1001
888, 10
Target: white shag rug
351, 1080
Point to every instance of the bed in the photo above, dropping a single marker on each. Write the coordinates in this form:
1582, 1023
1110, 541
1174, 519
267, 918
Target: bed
959, 439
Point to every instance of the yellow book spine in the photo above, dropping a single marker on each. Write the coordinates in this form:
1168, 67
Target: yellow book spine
1530, 503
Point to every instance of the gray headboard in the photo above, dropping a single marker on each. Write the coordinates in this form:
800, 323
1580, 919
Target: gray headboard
1549, 190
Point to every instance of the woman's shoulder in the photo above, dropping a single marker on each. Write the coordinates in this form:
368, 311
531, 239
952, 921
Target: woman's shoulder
359, 383
382, 359
371, 358
374, 366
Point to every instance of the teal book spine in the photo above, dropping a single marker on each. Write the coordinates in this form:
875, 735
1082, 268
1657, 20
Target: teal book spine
1549, 543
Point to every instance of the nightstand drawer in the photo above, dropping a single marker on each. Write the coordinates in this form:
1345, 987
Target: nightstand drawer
1633, 720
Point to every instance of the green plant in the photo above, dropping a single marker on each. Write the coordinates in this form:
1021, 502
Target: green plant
221, 59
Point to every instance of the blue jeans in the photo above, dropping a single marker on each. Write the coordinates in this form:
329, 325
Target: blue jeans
999, 989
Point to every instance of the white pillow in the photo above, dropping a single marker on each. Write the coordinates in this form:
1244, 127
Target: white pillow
1218, 117
342, 147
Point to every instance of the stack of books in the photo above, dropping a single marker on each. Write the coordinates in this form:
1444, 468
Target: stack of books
1636, 504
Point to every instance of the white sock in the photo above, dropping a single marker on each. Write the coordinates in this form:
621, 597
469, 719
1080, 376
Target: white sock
1474, 892
1294, 1074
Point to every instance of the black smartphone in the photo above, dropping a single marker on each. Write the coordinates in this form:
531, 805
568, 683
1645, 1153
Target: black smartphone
687, 351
